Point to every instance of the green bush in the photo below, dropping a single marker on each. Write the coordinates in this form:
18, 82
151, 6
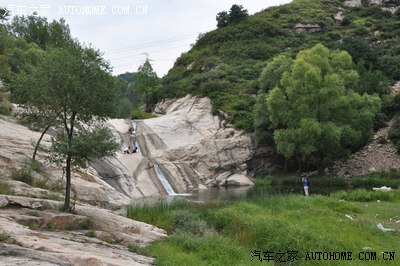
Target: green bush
394, 132
87, 224
91, 233
5, 111
186, 221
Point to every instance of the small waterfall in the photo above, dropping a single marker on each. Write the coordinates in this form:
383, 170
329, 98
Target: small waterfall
135, 143
133, 140
164, 181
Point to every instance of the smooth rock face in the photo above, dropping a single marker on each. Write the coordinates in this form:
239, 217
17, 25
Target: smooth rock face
194, 142
49, 246
188, 144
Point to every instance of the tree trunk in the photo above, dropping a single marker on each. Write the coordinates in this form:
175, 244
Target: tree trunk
68, 184
38, 142
70, 133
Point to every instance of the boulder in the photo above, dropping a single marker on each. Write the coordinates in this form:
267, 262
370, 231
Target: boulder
20, 201
238, 180
3, 201
299, 27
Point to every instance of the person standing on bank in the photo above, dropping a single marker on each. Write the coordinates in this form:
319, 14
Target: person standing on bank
306, 183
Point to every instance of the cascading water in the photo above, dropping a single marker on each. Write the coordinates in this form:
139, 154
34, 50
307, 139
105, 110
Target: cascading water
164, 181
160, 175
135, 144
133, 140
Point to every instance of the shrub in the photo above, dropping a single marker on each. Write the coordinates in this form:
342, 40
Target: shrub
5, 111
87, 224
91, 233
186, 221
24, 174
394, 132
50, 225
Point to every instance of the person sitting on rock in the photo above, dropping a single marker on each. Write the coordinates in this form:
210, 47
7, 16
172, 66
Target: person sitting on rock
127, 151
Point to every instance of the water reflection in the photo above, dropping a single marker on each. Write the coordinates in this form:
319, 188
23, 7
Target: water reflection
236, 193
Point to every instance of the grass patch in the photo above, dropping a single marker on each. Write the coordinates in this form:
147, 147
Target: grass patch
8, 239
91, 233
5, 188
137, 249
265, 181
139, 114
87, 224
317, 181
50, 225
24, 174
160, 214
226, 234
364, 195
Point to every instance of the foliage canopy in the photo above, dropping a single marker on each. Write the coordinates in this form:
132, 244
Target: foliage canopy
318, 115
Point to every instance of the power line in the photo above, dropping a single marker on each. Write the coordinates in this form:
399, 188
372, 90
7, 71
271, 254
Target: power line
150, 52
150, 44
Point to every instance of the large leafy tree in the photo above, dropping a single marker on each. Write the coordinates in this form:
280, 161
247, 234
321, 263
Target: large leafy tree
38, 30
146, 82
318, 115
76, 89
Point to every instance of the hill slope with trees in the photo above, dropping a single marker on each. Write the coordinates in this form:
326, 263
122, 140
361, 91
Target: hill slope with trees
250, 55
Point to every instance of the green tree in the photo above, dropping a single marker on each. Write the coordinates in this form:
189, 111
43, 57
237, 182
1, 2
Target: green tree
222, 19
76, 85
236, 14
146, 81
38, 30
272, 73
262, 124
318, 115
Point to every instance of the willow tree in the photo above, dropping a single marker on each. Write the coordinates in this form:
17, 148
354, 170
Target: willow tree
318, 115
75, 87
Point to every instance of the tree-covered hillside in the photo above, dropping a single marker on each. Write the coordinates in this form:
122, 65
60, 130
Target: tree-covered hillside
226, 64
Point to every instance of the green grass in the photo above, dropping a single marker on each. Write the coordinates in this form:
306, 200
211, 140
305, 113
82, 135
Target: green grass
132, 247
364, 195
265, 181
91, 233
139, 114
24, 174
5, 188
226, 234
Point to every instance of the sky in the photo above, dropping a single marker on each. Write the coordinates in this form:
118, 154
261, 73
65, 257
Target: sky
128, 32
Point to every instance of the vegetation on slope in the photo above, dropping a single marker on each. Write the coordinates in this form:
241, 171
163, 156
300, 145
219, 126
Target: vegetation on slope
225, 64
